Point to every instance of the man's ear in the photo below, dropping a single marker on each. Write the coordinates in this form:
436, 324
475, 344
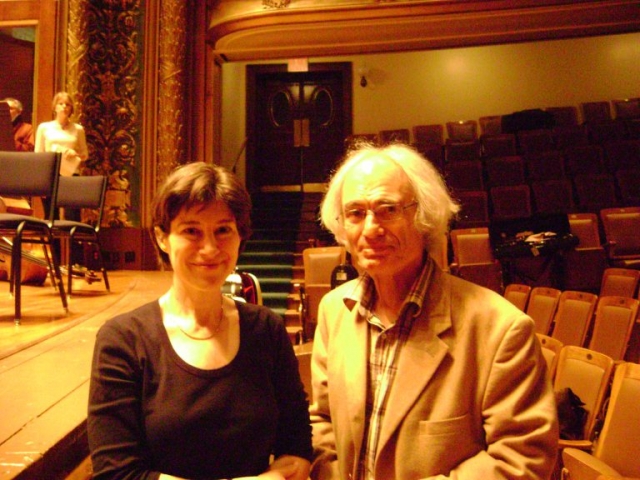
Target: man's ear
161, 238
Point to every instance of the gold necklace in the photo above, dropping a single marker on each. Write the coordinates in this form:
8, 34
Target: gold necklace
214, 332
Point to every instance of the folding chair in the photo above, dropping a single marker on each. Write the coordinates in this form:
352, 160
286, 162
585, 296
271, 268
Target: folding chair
615, 454
319, 263
586, 263
573, 317
518, 294
535, 141
542, 306
462, 131
29, 174
550, 350
621, 227
432, 134
400, 135
474, 209
545, 166
612, 326
587, 374
473, 258
621, 282
596, 112
510, 202
80, 192
564, 116
464, 175
504, 171
490, 125
498, 145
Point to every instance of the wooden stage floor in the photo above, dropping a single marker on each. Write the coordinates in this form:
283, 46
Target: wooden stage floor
45, 365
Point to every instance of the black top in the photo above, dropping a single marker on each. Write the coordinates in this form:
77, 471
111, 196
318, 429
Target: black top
150, 412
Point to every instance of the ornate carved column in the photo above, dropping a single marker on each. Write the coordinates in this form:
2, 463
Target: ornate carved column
126, 68
104, 67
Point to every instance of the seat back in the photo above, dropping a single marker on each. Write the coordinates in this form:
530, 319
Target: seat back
319, 262
625, 108
474, 209
511, 202
428, 134
31, 174
518, 294
585, 226
564, 116
596, 112
621, 227
617, 445
83, 192
550, 350
621, 282
587, 374
545, 166
400, 135
464, 175
573, 317
613, 323
471, 246
506, 170
535, 141
498, 145
462, 131
490, 125
542, 305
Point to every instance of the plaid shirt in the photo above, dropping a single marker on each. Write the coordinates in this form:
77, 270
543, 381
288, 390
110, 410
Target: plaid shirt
384, 348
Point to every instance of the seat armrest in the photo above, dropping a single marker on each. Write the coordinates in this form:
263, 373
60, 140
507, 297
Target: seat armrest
581, 465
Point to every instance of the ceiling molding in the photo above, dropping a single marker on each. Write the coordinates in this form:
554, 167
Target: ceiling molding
406, 26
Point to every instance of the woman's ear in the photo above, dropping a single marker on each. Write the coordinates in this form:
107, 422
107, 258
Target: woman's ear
161, 238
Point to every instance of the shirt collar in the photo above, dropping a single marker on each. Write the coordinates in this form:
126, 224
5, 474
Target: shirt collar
364, 291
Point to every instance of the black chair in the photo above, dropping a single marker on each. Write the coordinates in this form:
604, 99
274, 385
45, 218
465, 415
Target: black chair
29, 174
77, 193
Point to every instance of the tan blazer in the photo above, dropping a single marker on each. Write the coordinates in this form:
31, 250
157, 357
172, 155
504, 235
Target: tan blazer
471, 399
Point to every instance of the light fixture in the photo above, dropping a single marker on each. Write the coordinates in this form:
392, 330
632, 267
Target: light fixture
363, 71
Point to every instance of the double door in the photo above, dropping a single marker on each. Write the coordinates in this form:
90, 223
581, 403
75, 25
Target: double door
296, 124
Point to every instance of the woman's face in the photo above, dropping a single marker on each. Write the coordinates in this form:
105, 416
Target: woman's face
63, 107
203, 245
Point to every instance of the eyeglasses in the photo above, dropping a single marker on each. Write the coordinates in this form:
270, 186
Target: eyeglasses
386, 212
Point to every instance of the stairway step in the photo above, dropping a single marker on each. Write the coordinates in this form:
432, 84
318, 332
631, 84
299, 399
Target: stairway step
268, 271
275, 284
270, 257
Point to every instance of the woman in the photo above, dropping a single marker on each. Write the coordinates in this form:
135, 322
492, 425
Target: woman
63, 135
196, 385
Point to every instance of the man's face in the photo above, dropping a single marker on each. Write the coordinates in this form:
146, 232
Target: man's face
382, 245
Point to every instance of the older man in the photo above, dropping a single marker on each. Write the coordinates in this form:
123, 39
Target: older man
22, 131
416, 373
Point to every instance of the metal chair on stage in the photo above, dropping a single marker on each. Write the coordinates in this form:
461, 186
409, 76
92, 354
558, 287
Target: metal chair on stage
77, 193
29, 174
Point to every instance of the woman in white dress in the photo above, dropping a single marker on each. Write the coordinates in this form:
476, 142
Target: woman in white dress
63, 135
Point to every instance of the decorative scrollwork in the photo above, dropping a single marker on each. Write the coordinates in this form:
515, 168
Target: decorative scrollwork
104, 57
276, 3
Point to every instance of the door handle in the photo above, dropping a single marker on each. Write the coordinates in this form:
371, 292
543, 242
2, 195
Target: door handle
301, 132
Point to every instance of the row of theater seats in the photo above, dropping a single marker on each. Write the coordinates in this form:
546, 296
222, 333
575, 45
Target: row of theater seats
599, 122
560, 166
608, 240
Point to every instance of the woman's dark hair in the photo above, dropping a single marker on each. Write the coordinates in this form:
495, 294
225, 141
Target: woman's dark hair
200, 183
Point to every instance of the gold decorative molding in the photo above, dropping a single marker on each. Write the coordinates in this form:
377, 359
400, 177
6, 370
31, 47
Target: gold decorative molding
103, 75
172, 48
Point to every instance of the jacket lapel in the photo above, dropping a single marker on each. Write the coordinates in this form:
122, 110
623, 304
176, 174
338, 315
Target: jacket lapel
420, 357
